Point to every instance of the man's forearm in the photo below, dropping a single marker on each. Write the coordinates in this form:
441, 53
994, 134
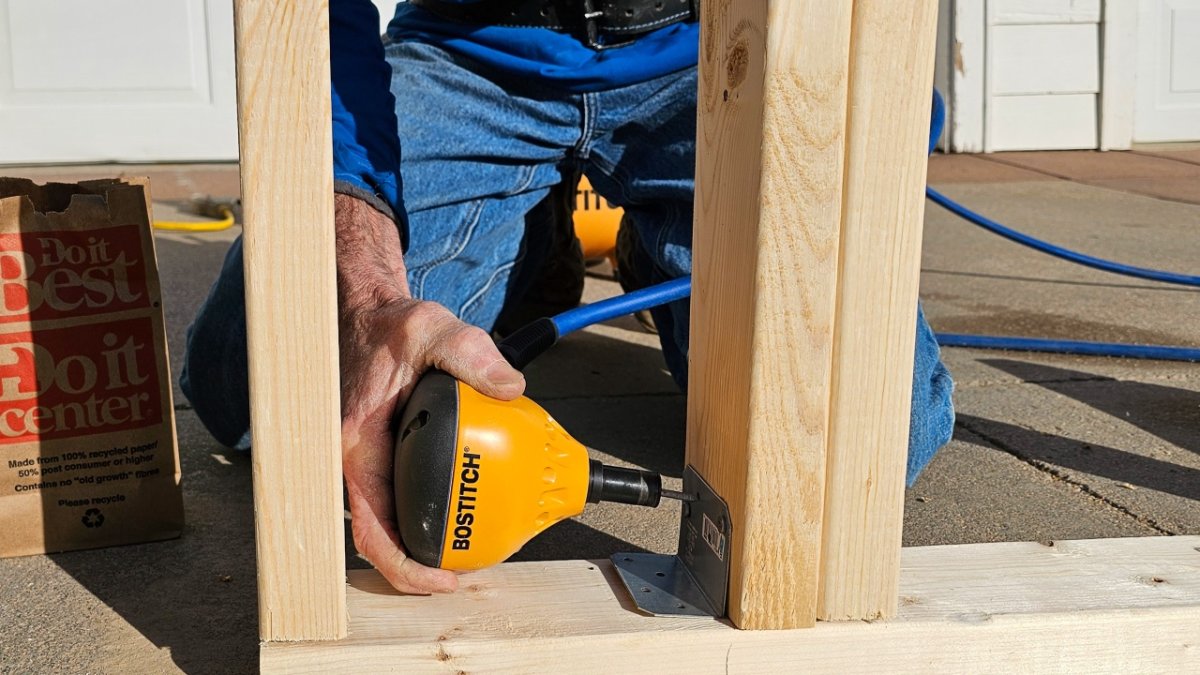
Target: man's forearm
370, 262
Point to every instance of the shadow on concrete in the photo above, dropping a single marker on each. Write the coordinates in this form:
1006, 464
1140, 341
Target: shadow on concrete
646, 431
195, 596
1047, 322
1099, 460
614, 396
590, 364
1169, 413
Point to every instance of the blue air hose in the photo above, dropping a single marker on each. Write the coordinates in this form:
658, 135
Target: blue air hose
645, 298
525, 344
1057, 251
1023, 344
1117, 349
521, 347
531, 340
1162, 352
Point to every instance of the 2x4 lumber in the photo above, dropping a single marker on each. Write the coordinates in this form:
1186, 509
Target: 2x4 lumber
1107, 605
291, 311
891, 74
770, 143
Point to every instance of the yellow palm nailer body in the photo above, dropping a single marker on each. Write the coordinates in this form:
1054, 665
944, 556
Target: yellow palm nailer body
476, 478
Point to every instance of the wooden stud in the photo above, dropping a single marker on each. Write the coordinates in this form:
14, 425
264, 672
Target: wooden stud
1051, 607
771, 116
1109, 605
291, 301
892, 48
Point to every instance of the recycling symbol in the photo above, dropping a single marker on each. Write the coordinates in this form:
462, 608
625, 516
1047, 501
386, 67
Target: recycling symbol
93, 518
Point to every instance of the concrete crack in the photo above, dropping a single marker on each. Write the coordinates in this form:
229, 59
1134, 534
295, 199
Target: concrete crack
1059, 475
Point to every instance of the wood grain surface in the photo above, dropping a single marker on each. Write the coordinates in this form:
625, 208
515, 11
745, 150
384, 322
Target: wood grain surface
771, 119
291, 308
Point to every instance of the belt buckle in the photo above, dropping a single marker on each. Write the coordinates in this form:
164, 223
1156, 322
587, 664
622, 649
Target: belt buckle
591, 30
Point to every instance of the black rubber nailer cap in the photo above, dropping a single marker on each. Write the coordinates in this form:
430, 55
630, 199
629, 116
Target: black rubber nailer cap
426, 445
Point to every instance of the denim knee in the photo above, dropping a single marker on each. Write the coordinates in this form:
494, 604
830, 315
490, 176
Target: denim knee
215, 374
932, 418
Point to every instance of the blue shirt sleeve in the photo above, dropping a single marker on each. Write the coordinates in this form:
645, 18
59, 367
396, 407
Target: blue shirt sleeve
366, 148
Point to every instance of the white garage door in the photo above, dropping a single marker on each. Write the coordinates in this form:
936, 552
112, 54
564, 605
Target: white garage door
127, 80
1043, 74
1168, 74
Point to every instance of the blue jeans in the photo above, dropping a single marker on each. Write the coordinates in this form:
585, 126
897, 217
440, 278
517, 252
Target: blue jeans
480, 155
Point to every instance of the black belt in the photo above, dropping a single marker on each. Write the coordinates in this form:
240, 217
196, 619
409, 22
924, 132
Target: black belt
601, 23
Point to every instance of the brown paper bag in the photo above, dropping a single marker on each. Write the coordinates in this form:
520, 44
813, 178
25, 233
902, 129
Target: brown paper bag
88, 454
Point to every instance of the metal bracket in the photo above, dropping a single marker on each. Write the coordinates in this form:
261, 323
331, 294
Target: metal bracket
694, 582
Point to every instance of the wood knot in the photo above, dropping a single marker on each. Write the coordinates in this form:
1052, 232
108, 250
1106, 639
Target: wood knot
737, 63
442, 654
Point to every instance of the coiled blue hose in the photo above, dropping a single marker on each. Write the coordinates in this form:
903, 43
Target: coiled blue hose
1161, 352
1057, 251
1158, 352
1025, 344
678, 289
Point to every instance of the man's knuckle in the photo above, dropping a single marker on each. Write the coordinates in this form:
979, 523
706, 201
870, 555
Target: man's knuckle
397, 560
416, 321
462, 340
360, 540
424, 313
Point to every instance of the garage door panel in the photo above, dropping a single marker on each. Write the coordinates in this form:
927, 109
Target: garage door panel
124, 80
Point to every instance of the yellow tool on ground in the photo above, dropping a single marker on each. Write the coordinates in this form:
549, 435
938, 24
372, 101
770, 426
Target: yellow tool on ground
203, 206
596, 222
476, 478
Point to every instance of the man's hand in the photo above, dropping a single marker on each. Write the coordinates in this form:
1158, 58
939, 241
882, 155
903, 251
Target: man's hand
387, 341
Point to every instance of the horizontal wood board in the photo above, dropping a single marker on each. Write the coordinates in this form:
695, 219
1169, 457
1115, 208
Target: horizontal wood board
1107, 605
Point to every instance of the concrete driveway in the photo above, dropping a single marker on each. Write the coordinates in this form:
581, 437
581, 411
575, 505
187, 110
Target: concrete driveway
1046, 447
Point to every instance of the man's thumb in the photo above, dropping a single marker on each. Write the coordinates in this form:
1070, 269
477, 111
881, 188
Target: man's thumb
501, 380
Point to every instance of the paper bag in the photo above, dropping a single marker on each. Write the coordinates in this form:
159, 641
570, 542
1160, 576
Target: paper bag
88, 454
